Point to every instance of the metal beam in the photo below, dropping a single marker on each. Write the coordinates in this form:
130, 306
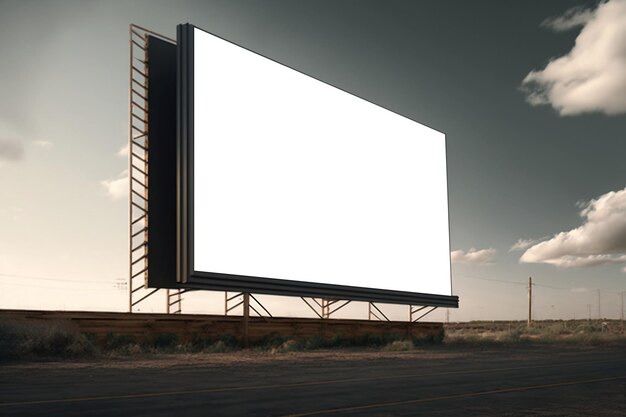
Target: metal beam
425, 314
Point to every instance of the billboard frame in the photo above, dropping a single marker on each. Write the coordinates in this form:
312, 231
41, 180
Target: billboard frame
186, 275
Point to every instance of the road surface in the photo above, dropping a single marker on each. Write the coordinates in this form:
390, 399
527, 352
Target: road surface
437, 381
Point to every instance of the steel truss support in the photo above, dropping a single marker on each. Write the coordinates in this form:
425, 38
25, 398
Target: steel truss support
414, 310
175, 301
248, 302
374, 311
326, 306
138, 173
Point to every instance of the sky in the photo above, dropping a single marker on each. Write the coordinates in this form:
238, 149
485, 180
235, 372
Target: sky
530, 94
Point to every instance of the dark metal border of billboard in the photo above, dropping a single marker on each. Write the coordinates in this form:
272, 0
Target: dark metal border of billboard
138, 169
188, 277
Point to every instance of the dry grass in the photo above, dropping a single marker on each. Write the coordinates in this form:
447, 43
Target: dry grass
42, 340
59, 340
49, 340
579, 332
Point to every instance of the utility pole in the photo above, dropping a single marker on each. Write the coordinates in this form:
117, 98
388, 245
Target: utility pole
589, 307
622, 315
530, 300
448, 315
599, 306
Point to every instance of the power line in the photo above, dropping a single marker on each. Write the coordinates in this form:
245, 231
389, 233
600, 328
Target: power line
604, 290
491, 279
56, 279
552, 287
19, 284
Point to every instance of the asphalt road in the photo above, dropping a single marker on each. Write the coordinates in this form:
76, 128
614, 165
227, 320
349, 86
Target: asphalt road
440, 381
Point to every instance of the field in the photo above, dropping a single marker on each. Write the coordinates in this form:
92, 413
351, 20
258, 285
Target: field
32, 334
28, 334
584, 332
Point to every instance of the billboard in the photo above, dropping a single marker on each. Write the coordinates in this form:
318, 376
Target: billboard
288, 185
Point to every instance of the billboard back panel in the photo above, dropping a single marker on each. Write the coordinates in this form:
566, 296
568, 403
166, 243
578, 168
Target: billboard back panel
161, 218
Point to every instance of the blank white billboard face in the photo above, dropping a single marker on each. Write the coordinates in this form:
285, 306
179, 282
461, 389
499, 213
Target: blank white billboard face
295, 179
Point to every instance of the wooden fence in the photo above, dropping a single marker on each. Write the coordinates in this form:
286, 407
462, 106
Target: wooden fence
188, 326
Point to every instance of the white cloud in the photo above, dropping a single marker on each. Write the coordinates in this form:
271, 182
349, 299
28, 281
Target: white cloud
601, 239
117, 188
569, 261
574, 17
11, 150
592, 76
43, 144
124, 151
523, 244
474, 256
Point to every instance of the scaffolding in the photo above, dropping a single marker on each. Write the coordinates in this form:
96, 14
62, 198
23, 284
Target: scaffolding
138, 173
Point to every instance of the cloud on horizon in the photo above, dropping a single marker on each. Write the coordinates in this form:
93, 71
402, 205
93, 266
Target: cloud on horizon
592, 76
600, 240
474, 256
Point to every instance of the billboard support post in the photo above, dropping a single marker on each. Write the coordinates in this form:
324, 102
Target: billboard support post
174, 301
246, 318
239, 299
325, 306
312, 307
376, 313
345, 303
228, 306
261, 306
414, 312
